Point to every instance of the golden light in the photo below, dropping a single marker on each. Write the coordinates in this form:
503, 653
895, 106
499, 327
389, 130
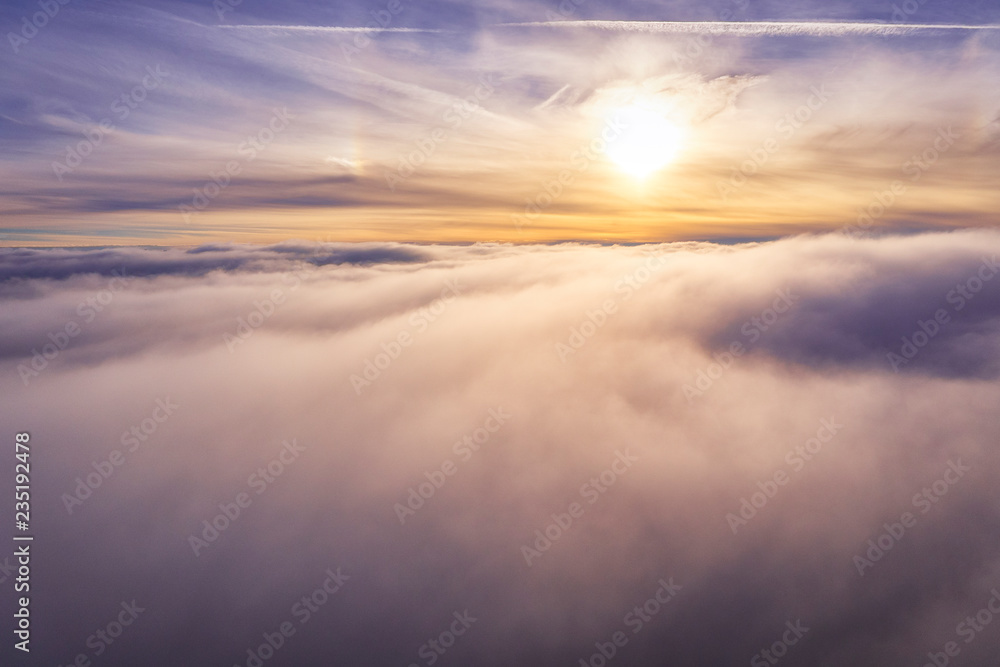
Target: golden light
647, 142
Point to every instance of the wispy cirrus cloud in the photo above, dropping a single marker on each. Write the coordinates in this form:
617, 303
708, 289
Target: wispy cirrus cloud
377, 109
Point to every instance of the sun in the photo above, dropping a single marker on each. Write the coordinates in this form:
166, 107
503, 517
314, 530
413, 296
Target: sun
647, 142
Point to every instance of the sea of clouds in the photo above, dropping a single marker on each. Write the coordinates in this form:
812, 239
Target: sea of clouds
390, 454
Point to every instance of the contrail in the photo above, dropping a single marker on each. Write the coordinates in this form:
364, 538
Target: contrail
746, 28
755, 28
328, 28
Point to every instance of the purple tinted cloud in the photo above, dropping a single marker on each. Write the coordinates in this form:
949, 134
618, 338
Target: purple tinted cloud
808, 436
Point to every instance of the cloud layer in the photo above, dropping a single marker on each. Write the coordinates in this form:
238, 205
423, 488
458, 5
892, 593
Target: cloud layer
440, 404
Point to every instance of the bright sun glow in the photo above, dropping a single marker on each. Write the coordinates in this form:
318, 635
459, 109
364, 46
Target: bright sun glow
648, 142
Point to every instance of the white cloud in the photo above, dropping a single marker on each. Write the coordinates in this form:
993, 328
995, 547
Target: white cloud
491, 343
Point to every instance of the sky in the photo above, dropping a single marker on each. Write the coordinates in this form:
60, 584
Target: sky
413, 333
182, 123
